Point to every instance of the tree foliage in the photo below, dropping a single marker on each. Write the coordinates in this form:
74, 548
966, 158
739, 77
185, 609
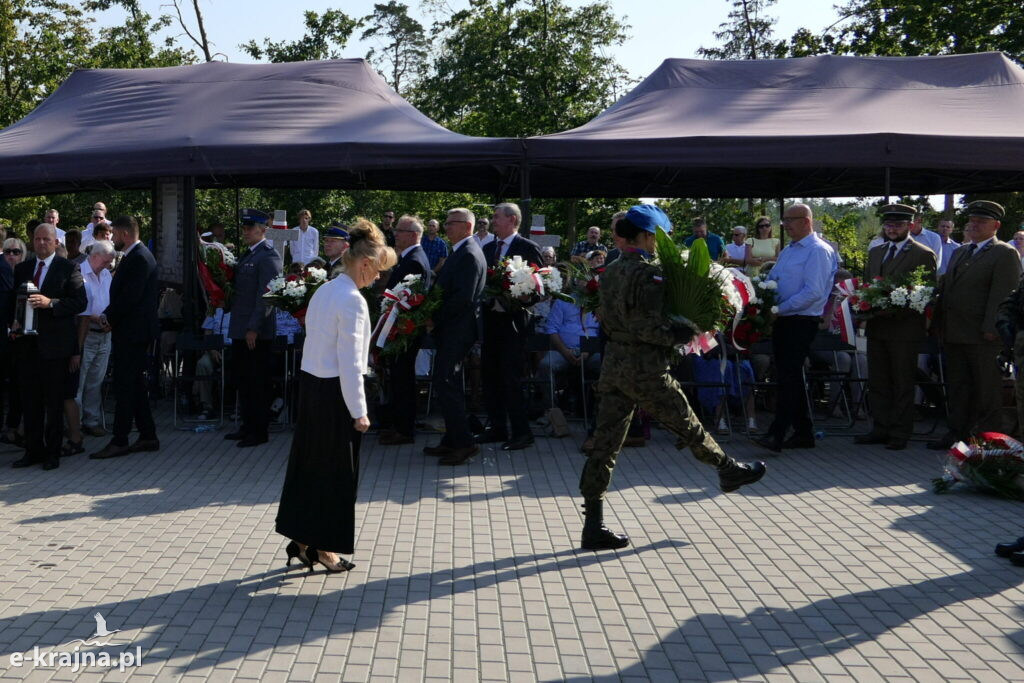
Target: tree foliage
746, 35
402, 54
523, 67
326, 35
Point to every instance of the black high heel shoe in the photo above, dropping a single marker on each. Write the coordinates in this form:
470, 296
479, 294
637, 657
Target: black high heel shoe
313, 556
1007, 549
292, 550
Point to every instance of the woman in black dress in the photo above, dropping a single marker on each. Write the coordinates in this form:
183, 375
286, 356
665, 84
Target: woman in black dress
317, 510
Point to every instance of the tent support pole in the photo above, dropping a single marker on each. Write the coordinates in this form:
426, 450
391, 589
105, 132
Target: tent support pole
887, 184
524, 200
189, 245
782, 212
238, 213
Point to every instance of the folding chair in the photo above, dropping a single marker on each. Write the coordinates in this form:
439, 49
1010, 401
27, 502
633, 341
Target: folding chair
825, 342
187, 341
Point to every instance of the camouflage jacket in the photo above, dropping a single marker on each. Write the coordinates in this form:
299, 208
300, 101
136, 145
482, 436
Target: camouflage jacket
631, 305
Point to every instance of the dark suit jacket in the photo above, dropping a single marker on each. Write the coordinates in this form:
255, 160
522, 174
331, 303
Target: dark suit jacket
461, 279
903, 326
969, 295
58, 334
413, 263
249, 310
134, 298
6, 300
527, 249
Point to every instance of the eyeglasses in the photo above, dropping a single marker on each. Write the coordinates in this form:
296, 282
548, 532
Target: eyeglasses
764, 225
12, 252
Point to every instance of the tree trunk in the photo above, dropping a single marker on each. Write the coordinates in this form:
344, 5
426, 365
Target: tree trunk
570, 221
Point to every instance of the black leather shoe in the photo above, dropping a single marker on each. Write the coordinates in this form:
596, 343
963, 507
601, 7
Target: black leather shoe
1017, 559
734, 474
459, 456
518, 443
24, 462
490, 435
437, 450
769, 442
799, 442
250, 441
235, 436
896, 444
51, 464
145, 445
111, 450
1007, 549
870, 438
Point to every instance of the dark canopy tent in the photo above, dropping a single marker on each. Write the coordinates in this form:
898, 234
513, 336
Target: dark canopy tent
329, 124
814, 126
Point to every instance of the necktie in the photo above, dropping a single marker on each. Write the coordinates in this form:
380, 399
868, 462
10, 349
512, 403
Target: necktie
891, 253
970, 253
504, 249
39, 272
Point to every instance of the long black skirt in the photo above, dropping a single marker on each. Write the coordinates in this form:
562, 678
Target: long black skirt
318, 502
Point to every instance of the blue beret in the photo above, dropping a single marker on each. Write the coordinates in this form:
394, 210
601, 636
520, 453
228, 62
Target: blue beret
254, 216
649, 217
336, 232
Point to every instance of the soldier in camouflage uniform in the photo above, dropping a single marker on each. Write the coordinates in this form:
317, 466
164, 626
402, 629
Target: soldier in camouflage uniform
635, 372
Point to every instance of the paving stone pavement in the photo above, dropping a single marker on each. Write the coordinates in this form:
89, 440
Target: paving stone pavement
840, 565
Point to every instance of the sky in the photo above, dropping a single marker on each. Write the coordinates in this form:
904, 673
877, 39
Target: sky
659, 28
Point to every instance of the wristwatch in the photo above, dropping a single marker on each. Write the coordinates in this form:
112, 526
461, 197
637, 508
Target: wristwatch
52, 302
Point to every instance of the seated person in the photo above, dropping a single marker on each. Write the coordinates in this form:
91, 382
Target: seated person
709, 368
210, 361
566, 325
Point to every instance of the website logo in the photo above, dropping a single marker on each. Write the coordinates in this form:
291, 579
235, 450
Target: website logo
76, 659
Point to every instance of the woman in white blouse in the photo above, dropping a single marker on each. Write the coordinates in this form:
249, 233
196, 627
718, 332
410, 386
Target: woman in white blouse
318, 502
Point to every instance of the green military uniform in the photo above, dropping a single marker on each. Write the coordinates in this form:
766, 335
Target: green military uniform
894, 341
976, 282
635, 371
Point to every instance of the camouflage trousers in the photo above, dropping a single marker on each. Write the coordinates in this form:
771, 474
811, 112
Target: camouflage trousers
630, 380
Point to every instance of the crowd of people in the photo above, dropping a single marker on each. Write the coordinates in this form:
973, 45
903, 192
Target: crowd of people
94, 293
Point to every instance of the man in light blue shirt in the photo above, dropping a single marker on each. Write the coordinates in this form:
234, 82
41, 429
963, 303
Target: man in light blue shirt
945, 229
566, 324
804, 274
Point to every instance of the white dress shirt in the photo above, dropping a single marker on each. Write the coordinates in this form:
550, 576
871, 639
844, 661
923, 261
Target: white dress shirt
484, 241
46, 268
504, 244
97, 289
307, 246
338, 339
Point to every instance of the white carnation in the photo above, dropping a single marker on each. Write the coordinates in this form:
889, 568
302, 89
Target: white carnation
899, 297
318, 274
775, 310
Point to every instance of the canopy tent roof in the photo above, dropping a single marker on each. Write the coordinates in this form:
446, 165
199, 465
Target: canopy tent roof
813, 126
304, 124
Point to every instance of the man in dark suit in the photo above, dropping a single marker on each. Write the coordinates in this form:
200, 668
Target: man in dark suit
252, 330
134, 326
43, 358
402, 368
503, 351
895, 340
6, 314
980, 275
461, 280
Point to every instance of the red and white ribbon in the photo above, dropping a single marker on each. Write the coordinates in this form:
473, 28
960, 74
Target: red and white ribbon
400, 298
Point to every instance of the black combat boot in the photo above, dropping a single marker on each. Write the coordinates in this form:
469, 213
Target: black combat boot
733, 475
1007, 549
596, 536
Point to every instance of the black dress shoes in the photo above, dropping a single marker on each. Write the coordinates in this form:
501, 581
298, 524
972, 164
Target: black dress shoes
458, 456
142, 445
1007, 549
24, 462
733, 475
235, 436
51, 464
518, 443
870, 438
896, 444
770, 443
250, 441
799, 442
111, 450
491, 435
437, 450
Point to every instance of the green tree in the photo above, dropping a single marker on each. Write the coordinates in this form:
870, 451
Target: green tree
746, 35
404, 45
41, 42
920, 27
326, 35
523, 67
133, 45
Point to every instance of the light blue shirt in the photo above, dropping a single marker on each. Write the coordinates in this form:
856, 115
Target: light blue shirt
568, 322
805, 272
947, 253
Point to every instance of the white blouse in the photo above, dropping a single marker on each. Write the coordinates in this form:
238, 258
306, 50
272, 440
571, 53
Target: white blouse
338, 339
